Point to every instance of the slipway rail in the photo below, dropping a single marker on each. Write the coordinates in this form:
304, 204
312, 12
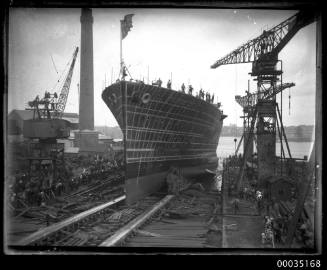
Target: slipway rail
125, 231
50, 233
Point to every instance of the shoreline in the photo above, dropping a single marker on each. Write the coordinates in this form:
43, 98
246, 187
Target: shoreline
305, 140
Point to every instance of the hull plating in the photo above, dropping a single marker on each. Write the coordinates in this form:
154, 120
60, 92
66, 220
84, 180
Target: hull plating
162, 128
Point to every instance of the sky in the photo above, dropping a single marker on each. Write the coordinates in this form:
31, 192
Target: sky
180, 44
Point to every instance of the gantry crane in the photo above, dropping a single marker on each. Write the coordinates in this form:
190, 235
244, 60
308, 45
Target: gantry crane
262, 52
248, 103
47, 124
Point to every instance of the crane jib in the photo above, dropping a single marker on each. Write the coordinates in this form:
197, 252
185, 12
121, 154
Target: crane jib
269, 43
61, 105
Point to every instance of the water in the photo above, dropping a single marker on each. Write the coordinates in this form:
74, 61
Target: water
226, 147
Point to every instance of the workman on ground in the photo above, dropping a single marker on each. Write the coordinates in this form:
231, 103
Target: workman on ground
236, 203
259, 198
277, 231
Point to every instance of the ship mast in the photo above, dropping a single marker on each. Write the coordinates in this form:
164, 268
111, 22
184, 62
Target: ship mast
121, 47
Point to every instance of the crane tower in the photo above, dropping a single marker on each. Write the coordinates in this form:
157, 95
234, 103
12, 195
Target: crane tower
262, 52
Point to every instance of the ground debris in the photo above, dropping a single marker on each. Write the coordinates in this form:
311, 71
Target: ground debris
197, 186
231, 227
24, 211
70, 205
213, 227
146, 233
194, 192
102, 228
175, 214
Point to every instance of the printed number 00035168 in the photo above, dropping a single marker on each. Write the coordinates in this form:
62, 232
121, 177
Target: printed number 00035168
298, 264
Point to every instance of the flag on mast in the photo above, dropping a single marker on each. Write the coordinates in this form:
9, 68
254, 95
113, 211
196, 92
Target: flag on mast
126, 25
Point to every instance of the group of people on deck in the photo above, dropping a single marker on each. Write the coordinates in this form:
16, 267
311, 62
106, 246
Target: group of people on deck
201, 94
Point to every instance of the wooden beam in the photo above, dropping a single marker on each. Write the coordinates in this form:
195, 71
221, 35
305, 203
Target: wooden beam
283, 131
318, 134
304, 189
121, 234
38, 235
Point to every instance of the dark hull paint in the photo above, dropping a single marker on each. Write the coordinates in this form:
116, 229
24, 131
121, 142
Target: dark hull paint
162, 128
136, 187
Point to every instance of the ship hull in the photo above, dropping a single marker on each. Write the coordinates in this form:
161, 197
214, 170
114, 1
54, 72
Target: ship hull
162, 128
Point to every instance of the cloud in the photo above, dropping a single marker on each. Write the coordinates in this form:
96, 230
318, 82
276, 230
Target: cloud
178, 42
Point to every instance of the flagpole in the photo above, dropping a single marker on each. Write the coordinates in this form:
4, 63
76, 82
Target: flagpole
127, 24
148, 74
121, 49
112, 71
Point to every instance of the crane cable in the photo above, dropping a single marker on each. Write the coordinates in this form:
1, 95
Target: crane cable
61, 76
235, 109
54, 65
289, 101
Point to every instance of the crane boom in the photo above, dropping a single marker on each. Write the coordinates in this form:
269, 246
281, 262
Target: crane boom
62, 100
251, 99
269, 43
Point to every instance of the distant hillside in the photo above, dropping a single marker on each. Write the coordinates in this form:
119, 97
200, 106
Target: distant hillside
302, 133
231, 131
113, 132
299, 133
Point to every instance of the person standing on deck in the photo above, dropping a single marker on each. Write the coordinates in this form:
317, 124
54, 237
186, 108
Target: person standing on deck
124, 73
183, 88
201, 93
190, 90
159, 82
169, 84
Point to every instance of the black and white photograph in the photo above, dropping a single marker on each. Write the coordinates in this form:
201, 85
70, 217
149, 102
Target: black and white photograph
163, 129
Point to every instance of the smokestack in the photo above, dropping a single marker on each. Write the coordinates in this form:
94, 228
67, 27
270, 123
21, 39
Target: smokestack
86, 105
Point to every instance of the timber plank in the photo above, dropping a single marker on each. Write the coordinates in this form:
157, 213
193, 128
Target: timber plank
172, 237
170, 244
181, 241
165, 245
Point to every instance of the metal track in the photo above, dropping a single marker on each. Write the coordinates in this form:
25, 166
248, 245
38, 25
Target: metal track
91, 227
121, 234
109, 182
114, 223
52, 233
174, 221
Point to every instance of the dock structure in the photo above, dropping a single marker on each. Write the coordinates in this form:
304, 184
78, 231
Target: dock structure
160, 187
